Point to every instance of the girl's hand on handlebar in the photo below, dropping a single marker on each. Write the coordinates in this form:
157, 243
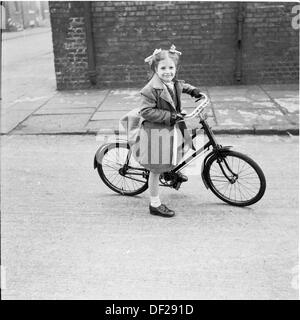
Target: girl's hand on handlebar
196, 93
199, 97
176, 117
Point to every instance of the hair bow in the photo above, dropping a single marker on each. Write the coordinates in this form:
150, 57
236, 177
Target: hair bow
149, 59
173, 50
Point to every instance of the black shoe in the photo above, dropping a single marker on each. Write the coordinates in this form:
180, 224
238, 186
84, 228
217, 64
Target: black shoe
162, 211
181, 177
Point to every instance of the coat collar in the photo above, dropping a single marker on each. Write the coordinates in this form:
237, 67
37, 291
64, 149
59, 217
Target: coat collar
156, 83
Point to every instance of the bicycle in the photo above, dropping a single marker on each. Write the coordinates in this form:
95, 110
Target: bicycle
232, 176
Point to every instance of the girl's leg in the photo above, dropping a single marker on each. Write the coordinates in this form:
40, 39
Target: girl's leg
156, 207
153, 183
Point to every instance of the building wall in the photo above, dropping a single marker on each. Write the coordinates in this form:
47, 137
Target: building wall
270, 44
124, 33
69, 44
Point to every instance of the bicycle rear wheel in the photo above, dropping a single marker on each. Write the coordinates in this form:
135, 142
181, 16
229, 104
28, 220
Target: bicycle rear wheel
235, 178
119, 170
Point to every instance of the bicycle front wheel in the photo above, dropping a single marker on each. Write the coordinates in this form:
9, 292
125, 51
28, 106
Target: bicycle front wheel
119, 170
235, 178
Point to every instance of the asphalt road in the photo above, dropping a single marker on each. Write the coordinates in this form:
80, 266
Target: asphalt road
65, 235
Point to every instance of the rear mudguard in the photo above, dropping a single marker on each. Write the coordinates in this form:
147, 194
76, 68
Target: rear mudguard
203, 173
101, 148
98, 152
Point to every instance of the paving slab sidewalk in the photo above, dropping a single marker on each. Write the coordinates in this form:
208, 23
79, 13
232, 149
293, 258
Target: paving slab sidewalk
252, 109
25, 32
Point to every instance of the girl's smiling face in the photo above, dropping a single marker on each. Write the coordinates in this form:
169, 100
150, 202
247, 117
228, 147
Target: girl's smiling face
166, 70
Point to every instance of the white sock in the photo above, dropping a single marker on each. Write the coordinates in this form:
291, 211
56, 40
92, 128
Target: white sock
155, 201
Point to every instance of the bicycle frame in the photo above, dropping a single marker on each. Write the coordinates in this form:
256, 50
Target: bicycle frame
212, 142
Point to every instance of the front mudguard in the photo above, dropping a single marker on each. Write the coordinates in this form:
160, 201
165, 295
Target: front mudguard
220, 150
102, 147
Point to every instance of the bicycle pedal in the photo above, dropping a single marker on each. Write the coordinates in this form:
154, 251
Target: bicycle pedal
177, 185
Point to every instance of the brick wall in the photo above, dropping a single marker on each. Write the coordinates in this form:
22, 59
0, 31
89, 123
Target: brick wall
69, 44
126, 32
270, 44
206, 32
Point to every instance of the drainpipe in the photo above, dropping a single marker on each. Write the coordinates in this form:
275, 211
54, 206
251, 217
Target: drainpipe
22, 14
240, 21
90, 43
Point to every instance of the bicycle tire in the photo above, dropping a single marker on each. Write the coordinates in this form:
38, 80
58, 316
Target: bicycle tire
115, 164
216, 180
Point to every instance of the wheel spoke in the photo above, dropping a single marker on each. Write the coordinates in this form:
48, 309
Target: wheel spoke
227, 185
219, 180
245, 186
110, 166
249, 174
245, 170
240, 192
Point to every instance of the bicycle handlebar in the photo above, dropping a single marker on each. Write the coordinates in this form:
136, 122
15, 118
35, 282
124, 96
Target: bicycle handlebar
203, 104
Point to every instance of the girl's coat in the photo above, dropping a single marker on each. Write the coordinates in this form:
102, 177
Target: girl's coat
155, 142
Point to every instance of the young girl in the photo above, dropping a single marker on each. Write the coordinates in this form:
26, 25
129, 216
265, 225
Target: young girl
161, 113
